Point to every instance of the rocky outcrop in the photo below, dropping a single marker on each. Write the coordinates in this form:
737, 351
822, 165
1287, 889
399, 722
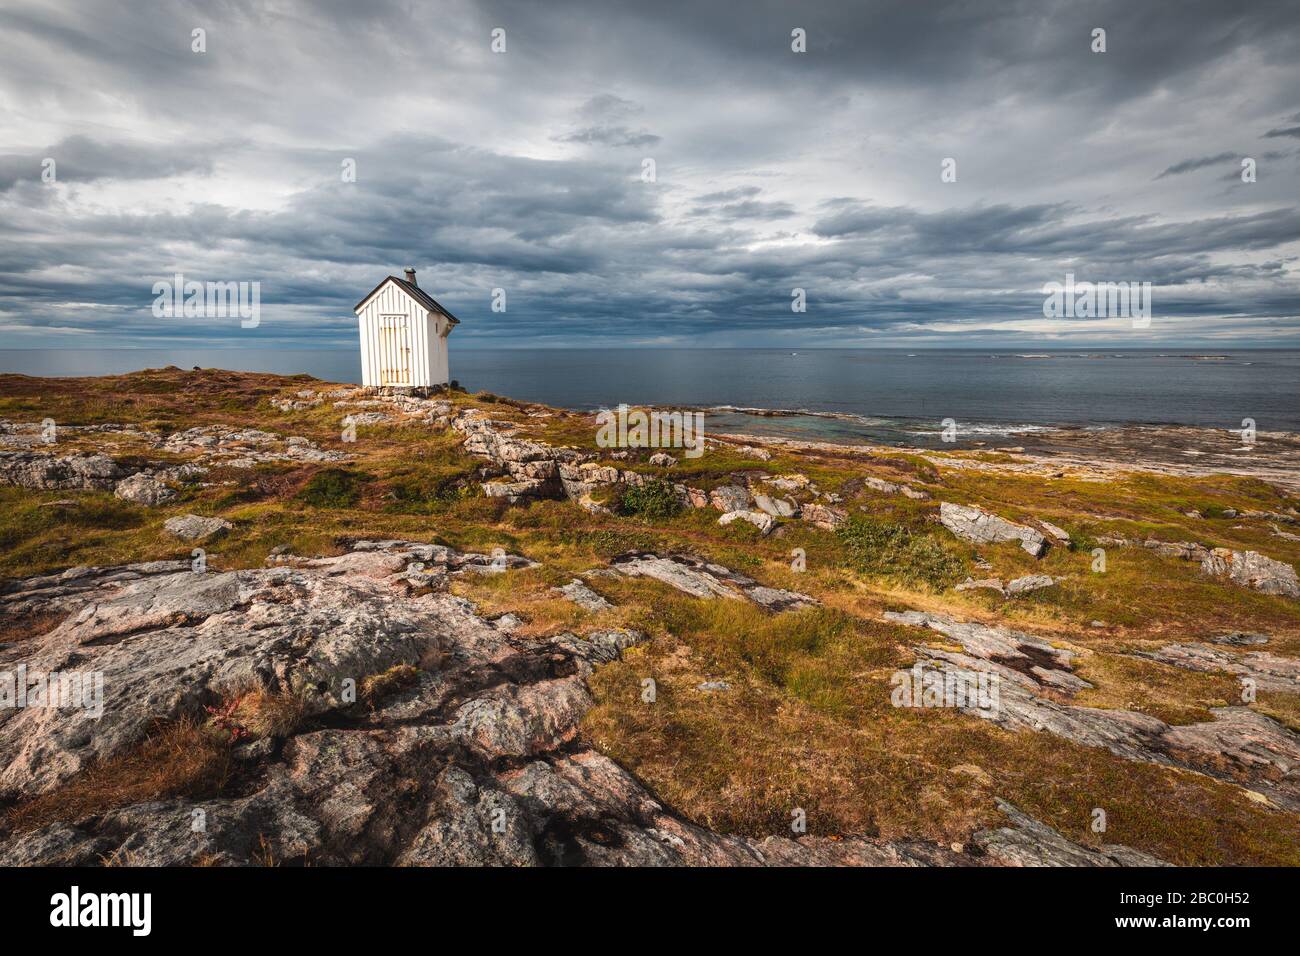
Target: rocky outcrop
1240, 639
1268, 671
982, 527
824, 516
196, 527
1059, 534
776, 507
581, 594
143, 489
42, 471
246, 447
1014, 656
700, 579
763, 522
989, 584
1248, 569
893, 488
527, 470
1036, 681
1021, 585
1030, 582
728, 498
1027, 842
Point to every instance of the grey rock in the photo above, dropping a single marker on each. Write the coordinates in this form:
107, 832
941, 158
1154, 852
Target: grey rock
1248, 569
1238, 744
1027, 842
1253, 570
1268, 671
981, 527
729, 498
142, 489
246, 447
698, 578
1060, 534
43, 471
1015, 656
824, 516
763, 522
196, 527
478, 762
776, 507
1030, 582
990, 584
894, 488
582, 595
1240, 639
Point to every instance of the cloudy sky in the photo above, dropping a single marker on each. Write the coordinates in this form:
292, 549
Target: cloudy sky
524, 170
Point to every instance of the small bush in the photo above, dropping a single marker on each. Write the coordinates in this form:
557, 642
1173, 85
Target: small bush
653, 501
332, 488
894, 550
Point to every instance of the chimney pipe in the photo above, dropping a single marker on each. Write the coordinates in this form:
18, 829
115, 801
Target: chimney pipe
410, 275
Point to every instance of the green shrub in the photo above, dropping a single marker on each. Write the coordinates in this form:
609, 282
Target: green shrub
654, 500
427, 488
894, 550
332, 488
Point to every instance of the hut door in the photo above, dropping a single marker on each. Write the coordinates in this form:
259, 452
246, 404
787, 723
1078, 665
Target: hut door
394, 351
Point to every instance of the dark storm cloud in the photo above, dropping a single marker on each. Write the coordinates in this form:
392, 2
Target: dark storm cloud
523, 171
81, 159
1190, 165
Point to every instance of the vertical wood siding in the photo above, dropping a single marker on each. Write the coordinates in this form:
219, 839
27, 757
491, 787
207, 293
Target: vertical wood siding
425, 364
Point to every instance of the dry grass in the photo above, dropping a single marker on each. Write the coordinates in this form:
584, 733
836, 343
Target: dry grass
258, 712
1172, 694
22, 627
378, 686
179, 759
742, 760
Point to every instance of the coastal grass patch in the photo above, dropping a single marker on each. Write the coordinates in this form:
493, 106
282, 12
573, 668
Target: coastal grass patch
333, 488
424, 486
159, 399
1151, 595
1172, 694
1284, 708
908, 553
42, 531
529, 594
741, 759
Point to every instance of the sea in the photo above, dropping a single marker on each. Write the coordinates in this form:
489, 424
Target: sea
877, 395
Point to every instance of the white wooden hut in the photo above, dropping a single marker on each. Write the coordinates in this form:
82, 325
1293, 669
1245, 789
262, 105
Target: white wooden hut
403, 336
